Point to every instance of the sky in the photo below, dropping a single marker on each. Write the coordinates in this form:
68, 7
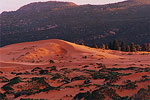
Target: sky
12, 5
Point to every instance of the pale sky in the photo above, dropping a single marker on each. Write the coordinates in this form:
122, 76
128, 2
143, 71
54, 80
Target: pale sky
12, 5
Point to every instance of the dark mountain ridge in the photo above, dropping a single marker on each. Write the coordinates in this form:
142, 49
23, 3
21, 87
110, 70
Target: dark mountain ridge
91, 24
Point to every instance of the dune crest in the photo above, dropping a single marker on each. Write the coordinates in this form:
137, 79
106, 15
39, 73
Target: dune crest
44, 50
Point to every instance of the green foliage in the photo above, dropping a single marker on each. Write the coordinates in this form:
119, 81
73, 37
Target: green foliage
130, 85
56, 76
51, 61
38, 82
3, 79
123, 46
7, 88
80, 96
116, 45
53, 68
43, 72
98, 75
85, 66
95, 95
78, 78
142, 94
128, 48
36, 69
2, 96
133, 48
103, 46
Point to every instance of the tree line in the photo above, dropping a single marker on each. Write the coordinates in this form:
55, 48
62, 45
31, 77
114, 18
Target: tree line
115, 45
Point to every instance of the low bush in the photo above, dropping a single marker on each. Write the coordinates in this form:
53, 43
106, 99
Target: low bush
56, 76
51, 61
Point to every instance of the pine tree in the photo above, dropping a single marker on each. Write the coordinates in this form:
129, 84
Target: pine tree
149, 47
145, 47
133, 48
138, 47
110, 45
128, 48
103, 46
96, 46
116, 45
107, 47
123, 46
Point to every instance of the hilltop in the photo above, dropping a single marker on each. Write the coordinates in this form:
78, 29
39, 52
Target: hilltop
91, 24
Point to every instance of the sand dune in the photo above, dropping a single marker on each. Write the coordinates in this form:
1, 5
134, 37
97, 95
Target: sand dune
42, 51
75, 69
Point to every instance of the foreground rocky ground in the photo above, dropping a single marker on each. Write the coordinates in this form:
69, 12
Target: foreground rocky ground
59, 70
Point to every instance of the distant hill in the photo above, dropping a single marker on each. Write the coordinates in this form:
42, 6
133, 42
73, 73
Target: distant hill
91, 24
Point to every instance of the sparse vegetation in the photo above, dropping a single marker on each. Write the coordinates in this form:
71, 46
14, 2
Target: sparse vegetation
56, 76
51, 61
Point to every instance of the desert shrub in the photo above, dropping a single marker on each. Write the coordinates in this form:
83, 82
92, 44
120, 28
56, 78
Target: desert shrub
43, 72
145, 76
76, 69
66, 80
96, 95
53, 68
64, 69
112, 94
23, 92
115, 64
147, 69
38, 79
117, 69
36, 69
124, 74
56, 76
69, 87
26, 72
84, 57
148, 88
13, 73
14, 81
47, 89
3, 79
85, 66
112, 77
78, 78
38, 82
19, 73
81, 89
109, 76
100, 65
130, 85
80, 96
131, 68
88, 71
142, 94
7, 88
98, 75
2, 96
127, 81
87, 81
51, 61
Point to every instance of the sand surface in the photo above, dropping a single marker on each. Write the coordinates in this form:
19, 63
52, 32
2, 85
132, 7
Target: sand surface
71, 61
